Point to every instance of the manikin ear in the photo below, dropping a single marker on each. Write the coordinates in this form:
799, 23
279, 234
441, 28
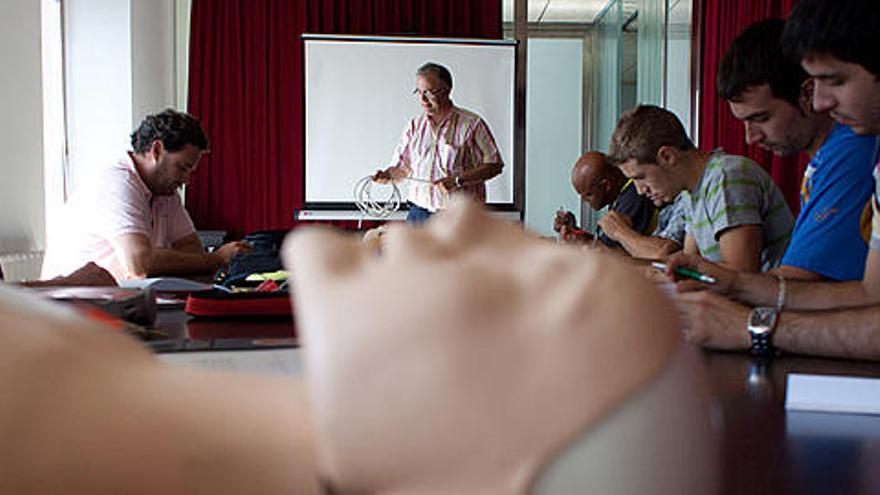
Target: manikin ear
667, 156
805, 99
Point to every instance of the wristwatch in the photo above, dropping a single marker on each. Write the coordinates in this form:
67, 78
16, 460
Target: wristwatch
762, 323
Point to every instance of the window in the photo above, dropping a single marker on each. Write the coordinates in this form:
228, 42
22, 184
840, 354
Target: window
54, 133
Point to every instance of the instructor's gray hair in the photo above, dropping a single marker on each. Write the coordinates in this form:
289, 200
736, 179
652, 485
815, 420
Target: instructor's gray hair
438, 70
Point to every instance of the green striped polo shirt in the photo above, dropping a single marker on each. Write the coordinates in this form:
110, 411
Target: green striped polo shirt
736, 191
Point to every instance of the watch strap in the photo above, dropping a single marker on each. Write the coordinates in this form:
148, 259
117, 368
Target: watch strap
762, 337
761, 344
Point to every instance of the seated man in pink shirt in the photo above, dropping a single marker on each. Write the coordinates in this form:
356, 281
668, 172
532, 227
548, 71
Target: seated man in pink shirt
129, 219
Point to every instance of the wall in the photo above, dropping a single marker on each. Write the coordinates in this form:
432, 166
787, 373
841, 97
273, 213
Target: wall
153, 77
21, 132
98, 77
678, 70
554, 103
121, 64
120, 67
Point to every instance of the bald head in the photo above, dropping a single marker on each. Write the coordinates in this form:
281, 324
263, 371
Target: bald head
596, 180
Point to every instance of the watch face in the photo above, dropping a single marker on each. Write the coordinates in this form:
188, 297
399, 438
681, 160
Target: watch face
762, 320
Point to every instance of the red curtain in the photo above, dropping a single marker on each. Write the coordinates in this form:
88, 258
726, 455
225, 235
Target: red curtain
721, 21
246, 86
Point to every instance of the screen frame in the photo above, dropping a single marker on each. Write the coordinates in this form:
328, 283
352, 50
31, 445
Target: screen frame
518, 192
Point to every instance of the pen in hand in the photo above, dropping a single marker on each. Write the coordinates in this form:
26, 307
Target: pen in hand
685, 272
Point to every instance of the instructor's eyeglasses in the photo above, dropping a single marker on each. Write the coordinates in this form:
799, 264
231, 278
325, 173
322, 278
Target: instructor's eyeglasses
430, 94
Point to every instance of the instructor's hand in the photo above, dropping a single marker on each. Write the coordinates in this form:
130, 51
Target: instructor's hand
382, 177
446, 184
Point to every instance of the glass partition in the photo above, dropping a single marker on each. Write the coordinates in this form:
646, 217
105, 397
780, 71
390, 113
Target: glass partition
651, 51
606, 74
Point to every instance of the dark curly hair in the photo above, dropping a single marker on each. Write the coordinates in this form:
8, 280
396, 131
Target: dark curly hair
175, 129
848, 30
755, 58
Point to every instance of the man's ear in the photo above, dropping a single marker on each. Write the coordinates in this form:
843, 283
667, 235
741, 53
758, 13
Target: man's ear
667, 156
157, 149
805, 98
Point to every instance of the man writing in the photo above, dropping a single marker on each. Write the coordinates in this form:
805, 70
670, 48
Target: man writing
445, 149
631, 218
735, 214
130, 221
772, 96
834, 43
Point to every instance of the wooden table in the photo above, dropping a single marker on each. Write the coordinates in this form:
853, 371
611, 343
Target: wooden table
765, 450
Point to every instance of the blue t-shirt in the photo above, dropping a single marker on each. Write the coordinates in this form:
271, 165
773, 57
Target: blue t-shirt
831, 234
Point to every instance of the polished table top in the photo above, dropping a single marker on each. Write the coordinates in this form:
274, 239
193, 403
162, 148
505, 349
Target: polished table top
769, 450
765, 449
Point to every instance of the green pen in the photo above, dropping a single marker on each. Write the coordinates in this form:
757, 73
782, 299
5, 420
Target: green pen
685, 272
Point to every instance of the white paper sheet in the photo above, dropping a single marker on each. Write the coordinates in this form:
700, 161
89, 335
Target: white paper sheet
166, 284
286, 362
844, 394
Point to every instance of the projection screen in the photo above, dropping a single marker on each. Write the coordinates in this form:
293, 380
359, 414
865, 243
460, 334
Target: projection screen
359, 97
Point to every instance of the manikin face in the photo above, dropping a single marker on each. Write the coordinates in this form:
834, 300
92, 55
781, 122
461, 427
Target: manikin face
847, 90
654, 181
433, 94
773, 123
171, 169
550, 317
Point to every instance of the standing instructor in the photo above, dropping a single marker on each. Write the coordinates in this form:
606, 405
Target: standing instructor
442, 150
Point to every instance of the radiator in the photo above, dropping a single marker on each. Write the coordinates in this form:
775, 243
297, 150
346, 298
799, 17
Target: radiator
21, 266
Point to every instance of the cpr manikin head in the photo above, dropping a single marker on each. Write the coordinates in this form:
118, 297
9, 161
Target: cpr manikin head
473, 357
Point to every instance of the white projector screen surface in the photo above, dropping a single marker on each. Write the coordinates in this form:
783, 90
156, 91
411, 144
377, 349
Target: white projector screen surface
359, 98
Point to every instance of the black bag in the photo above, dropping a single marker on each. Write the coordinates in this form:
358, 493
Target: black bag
265, 257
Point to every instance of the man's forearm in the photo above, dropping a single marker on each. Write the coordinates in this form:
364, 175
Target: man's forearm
762, 290
852, 334
645, 246
480, 173
176, 262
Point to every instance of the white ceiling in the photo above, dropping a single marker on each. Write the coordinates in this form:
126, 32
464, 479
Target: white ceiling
575, 11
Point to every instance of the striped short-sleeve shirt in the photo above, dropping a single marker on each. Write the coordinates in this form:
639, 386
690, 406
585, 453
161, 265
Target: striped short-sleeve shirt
461, 141
735, 191
670, 224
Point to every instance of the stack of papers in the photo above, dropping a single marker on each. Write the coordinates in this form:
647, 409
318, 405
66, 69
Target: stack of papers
838, 394
166, 284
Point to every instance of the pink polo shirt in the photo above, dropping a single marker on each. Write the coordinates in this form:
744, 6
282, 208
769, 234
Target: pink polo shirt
115, 202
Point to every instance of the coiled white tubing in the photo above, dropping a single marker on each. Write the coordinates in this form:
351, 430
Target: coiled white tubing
366, 200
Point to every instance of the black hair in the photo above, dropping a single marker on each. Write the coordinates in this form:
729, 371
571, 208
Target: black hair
175, 129
438, 70
848, 30
755, 58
